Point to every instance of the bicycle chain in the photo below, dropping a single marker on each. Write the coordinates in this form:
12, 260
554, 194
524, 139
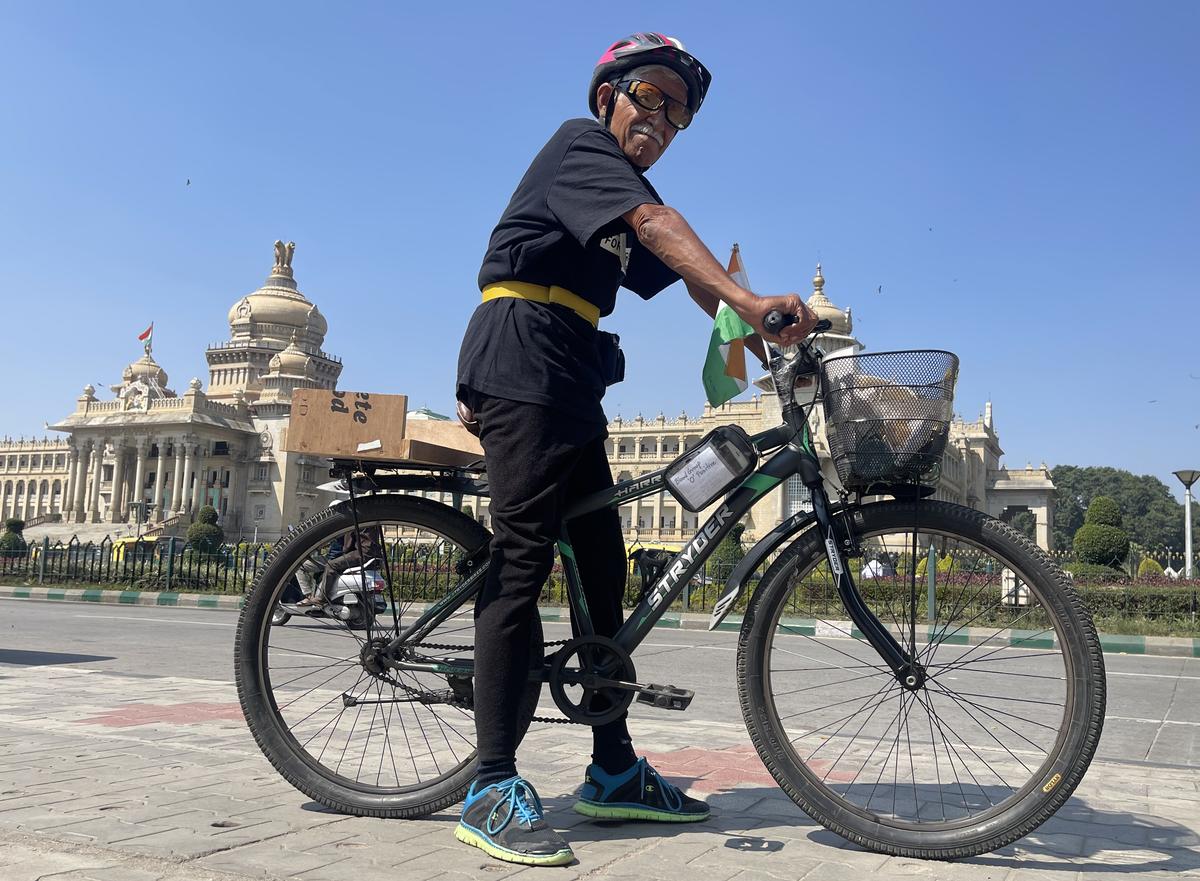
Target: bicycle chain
550, 720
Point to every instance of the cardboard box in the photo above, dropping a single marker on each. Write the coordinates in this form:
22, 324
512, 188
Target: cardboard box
346, 425
358, 425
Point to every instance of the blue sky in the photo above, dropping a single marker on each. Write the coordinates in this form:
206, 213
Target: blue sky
1019, 178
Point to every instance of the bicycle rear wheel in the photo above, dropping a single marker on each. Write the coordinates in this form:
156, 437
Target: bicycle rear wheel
995, 739
356, 738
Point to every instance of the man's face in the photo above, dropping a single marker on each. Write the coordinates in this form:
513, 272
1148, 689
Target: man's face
644, 135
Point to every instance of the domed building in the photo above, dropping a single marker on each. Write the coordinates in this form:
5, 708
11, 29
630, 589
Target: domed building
152, 454
150, 450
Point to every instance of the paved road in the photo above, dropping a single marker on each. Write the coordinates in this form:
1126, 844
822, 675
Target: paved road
1153, 702
124, 757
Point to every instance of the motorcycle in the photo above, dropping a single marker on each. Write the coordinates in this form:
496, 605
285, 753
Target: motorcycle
343, 600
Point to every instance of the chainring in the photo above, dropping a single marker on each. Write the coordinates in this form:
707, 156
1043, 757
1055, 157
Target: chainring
577, 666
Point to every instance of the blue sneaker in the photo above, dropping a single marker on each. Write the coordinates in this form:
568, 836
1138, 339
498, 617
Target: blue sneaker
505, 821
639, 793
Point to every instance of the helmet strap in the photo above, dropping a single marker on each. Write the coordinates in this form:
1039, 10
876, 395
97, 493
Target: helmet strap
612, 103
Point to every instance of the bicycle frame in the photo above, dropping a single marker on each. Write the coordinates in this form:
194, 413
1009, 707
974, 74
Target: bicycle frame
795, 457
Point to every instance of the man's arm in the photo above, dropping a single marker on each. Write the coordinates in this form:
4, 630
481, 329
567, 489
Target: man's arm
663, 231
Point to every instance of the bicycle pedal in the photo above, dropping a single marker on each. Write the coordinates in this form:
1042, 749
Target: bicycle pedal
666, 697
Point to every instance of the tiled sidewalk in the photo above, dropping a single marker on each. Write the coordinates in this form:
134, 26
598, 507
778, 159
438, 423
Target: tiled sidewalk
124, 778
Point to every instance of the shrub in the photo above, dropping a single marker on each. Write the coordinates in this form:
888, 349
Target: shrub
205, 535
1101, 540
1101, 545
945, 566
1104, 511
12, 543
1149, 568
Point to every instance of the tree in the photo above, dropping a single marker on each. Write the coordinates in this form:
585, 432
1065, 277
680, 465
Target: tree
12, 542
1152, 516
1023, 521
205, 535
730, 551
1101, 541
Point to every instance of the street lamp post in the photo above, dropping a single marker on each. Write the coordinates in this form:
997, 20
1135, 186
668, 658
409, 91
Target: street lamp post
1187, 478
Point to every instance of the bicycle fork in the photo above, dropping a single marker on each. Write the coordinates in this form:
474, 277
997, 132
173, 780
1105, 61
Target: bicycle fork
905, 667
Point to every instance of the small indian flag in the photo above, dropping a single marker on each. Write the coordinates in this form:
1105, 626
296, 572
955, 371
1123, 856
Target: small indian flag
725, 367
147, 333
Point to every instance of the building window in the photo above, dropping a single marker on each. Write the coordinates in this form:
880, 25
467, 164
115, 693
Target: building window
303, 514
306, 474
36, 462
221, 448
261, 471
59, 462
260, 511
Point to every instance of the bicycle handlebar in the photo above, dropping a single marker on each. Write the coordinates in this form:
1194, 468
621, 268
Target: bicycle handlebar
777, 321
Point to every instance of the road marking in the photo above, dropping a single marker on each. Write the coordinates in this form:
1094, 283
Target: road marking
1149, 721
1150, 675
159, 620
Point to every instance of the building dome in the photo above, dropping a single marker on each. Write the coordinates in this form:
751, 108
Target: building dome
278, 310
819, 303
292, 361
147, 370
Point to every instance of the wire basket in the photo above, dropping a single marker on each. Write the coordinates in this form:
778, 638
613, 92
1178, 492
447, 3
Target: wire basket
888, 416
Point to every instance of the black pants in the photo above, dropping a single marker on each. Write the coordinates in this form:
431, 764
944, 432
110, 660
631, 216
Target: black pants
537, 461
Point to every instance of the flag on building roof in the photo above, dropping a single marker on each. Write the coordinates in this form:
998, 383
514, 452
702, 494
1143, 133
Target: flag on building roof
146, 334
725, 367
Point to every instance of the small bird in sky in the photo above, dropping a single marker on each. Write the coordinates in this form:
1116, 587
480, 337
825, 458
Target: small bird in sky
189, 182
1155, 401
879, 290
931, 229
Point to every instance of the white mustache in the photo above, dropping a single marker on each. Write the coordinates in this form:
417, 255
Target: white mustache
646, 129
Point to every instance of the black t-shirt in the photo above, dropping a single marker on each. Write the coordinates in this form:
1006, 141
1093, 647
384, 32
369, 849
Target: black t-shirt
562, 227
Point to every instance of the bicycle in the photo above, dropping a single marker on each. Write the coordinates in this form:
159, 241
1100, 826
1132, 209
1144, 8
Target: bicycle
943, 706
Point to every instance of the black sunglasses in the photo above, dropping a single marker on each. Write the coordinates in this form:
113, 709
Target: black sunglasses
650, 97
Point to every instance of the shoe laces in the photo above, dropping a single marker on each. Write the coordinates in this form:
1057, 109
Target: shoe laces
671, 792
517, 798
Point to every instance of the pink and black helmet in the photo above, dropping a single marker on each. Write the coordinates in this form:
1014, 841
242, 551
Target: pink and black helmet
640, 49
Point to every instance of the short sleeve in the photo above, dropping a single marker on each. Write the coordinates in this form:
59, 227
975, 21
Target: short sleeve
594, 185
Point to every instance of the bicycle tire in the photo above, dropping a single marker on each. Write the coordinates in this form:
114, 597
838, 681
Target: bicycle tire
837, 804
253, 675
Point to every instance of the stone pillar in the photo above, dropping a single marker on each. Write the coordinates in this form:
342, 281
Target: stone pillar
237, 465
68, 489
656, 501
177, 478
139, 471
1041, 515
185, 500
198, 492
159, 482
80, 481
93, 508
116, 511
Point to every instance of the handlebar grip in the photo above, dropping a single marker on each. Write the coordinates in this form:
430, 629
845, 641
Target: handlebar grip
777, 321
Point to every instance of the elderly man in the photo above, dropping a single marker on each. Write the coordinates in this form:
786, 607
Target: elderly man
531, 373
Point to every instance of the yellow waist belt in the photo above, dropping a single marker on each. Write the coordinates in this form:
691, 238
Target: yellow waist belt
539, 294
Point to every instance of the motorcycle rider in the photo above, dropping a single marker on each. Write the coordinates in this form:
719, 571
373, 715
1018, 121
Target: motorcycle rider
533, 367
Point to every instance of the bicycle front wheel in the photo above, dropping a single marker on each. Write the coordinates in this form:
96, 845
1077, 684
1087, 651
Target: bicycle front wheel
356, 736
985, 749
